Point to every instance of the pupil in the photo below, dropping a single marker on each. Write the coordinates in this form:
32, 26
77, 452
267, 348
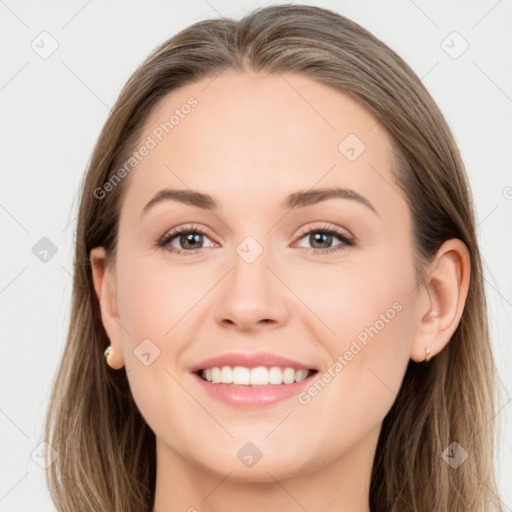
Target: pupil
320, 238
189, 239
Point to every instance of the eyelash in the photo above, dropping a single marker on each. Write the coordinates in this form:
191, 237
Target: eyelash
165, 240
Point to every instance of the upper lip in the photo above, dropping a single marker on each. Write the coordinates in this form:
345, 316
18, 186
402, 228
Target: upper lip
250, 361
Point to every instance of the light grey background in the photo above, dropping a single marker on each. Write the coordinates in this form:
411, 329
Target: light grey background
52, 110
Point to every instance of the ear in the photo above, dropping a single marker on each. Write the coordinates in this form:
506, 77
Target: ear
441, 299
105, 288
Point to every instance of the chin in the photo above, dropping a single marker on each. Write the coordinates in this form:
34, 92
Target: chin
247, 461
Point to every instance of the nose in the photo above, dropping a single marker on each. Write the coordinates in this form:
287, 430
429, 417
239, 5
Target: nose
252, 297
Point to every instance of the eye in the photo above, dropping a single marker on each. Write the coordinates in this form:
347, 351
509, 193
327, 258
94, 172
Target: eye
190, 239
186, 239
322, 239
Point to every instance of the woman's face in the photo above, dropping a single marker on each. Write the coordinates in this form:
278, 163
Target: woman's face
277, 262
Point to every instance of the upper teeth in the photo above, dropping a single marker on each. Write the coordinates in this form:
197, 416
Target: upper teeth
259, 376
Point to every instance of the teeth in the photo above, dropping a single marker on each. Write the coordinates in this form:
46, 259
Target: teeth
240, 375
259, 376
226, 375
275, 375
215, 375
288, 375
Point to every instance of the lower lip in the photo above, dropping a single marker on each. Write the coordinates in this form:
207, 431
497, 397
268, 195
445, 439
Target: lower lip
252, 396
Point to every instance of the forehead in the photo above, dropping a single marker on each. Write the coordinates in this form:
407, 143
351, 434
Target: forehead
241, 135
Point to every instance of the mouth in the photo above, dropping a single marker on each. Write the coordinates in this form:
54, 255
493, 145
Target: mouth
252, 380
256, 376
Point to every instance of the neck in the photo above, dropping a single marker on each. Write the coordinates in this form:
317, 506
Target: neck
341, 485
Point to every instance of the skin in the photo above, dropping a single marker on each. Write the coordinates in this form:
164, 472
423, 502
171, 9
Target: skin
251, 141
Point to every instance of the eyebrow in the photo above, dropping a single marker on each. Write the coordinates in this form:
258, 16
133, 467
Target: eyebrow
295, 200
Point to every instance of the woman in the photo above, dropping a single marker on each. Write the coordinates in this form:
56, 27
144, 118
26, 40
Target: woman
276, 255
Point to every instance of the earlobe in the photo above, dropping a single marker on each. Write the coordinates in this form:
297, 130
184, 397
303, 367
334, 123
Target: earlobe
105, 289
443, 296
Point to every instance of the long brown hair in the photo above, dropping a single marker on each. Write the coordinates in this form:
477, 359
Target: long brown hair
107, 458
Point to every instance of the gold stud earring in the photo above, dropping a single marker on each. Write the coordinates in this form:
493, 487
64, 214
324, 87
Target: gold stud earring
429, 354
108, 353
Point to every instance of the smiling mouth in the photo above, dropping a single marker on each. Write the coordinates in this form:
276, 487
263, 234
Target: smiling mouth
258, 376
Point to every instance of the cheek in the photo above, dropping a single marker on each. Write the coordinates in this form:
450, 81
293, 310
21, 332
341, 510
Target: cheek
353, 394
155, 300
365, 297
369, 311
154, 309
